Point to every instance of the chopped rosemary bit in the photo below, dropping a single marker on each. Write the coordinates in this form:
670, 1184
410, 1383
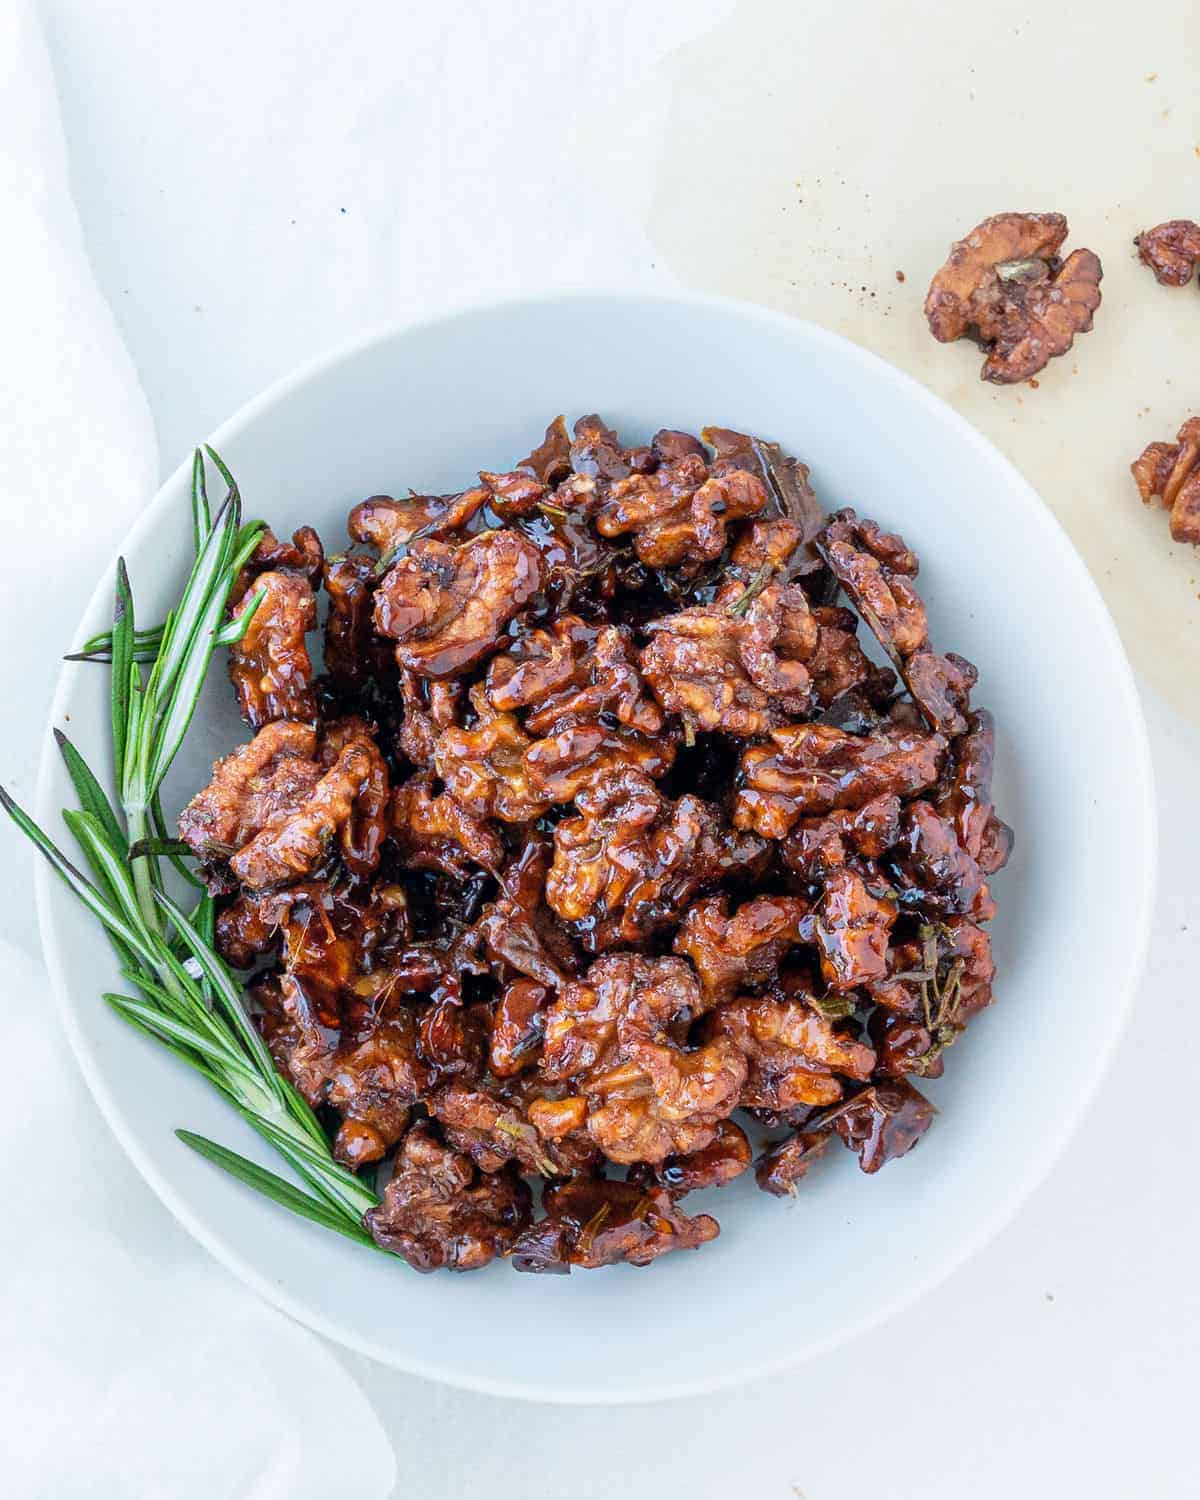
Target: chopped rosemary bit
753, 589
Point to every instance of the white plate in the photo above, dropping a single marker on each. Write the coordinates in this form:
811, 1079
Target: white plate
428, 405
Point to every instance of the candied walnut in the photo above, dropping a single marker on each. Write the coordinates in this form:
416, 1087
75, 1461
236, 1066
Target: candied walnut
610, 1033
1172, 472
575, 755
933, 870
436, 833
429, 707
390, 525
303, 555
574, 671
518, 930
903, 1045
679, 514
296, 840
550, 461
372, 1079
493, 1127
1171, 250
1006, 287
839, 665
272, 775
484, 767
734, 667
966, 802
352, 651
780, 1168
447, 606
743, 951
594, 1222
270, 666
874, 567
246, 929
438, 1212
852, 928
817, 846
363, 832
725, 1157
792, 1050
883, 1122
454, 1036
631, 860
596, 451
815, 768
517, 1027
787, 481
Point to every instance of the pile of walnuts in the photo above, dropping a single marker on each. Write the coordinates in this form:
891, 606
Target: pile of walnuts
600, 856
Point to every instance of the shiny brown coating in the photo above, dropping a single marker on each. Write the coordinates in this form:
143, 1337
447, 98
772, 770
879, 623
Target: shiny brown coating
613, 1035
1171, 472
390, 525
295, 841
1171, 250
438, 1212
1005, 286
459, 884
796, 1056
446, 606
742, 951
270, 667
434, 832
594, 1222
679, 515
884, 1122
726, 1156
875, 568
736, 665
630, 862
814, 768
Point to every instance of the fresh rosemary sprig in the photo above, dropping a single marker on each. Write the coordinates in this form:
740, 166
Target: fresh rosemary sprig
187, 1001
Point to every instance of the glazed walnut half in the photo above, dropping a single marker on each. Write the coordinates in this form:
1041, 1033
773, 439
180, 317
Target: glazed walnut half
1171, 250
1005, 286
1171, 472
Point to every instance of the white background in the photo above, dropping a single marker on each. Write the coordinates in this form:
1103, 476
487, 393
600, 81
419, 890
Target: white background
258, 183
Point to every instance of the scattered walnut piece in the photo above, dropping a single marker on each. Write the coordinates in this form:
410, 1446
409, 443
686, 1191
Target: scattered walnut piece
1171, 250
438, 1211
274, 773
852, 928
594, 1222
1006, 287
270, 666
484, 767
1171, 471
447, 606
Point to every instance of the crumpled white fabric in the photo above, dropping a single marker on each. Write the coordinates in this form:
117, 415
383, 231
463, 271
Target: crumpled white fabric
133, 1365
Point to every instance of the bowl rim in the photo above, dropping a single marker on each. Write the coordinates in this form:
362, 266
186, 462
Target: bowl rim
1139, 899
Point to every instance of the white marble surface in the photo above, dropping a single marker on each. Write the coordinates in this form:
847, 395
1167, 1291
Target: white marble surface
257, 183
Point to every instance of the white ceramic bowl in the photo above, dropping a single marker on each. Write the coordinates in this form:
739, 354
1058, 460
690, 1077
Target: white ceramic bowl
428, 405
